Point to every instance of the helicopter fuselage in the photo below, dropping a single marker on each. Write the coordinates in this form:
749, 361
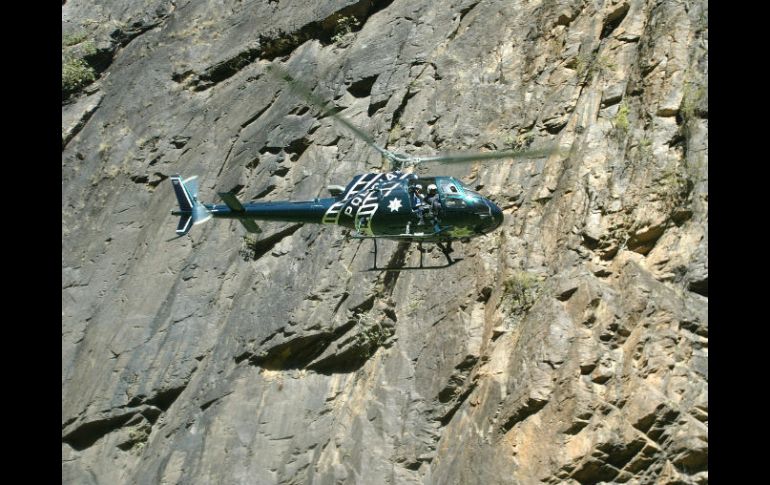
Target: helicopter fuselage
384, 206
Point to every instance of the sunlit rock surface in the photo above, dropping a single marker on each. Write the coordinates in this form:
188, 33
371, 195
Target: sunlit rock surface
569, 346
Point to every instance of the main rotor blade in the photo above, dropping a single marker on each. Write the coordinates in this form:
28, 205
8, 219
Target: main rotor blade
305, 93
498, 155
398, 160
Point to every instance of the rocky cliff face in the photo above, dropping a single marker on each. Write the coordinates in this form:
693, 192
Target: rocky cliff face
570, 346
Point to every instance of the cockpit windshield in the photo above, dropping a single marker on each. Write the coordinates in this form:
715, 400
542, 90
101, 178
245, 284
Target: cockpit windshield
465, 187
461, 184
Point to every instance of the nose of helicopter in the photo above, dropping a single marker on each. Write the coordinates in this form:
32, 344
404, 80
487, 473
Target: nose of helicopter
497, 215
490, 224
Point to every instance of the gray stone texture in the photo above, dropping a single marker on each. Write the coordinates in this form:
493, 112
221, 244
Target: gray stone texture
570, 346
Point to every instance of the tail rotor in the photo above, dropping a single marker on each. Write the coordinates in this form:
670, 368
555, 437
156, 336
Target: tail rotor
190, 211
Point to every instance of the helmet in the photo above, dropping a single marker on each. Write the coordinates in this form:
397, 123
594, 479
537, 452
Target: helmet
418, 187
432, 188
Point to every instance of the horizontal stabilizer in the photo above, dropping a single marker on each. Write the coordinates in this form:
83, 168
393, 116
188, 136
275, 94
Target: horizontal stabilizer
235, 205
250, 225
232, 202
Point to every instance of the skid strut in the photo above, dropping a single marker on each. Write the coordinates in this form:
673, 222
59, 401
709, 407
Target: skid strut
446, 249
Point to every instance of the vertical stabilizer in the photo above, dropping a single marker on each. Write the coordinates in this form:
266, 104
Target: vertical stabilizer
190, 211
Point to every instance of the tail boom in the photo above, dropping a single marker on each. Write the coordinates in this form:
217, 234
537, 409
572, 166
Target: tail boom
310, 211
192, 212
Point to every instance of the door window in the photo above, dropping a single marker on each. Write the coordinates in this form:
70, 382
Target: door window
454, 203
448, 188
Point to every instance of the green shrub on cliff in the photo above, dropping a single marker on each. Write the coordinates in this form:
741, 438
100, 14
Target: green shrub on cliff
75, 73
522, 290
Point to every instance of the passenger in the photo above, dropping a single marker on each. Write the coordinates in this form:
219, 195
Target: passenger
434, 205
418, 203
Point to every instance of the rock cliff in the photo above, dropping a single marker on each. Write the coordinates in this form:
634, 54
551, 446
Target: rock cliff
569, 346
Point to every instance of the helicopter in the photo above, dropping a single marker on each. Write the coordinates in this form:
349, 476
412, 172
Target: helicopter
373, 205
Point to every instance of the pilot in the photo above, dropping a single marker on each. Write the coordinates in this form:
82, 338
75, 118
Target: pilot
432, 197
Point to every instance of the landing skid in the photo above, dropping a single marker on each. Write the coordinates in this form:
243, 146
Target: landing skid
406, 236
445, 250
